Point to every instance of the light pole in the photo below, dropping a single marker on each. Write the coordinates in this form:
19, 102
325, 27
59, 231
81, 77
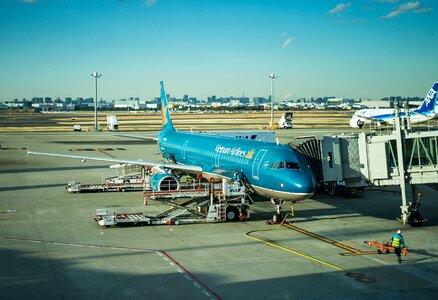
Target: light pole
273, 77
96, 76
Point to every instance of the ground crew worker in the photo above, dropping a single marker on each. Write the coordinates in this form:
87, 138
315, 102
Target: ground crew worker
398, 242
189, 180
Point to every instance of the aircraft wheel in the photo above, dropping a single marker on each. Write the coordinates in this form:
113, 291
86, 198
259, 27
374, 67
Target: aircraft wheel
232, 213
277, 218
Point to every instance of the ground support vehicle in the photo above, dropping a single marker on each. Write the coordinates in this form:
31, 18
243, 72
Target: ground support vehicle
384, 247
228, 199
108, 186
286, 121
202, 205
128, 178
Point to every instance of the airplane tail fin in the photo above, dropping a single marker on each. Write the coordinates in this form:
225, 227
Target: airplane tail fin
165, 114
429, 103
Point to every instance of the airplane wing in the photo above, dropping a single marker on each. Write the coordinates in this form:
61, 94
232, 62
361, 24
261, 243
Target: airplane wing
221, 172
188, 168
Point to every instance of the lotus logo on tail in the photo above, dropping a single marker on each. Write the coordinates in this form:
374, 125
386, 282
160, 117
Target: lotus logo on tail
163, 115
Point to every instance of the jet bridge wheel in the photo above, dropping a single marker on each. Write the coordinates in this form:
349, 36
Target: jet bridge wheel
415, 219
232, 213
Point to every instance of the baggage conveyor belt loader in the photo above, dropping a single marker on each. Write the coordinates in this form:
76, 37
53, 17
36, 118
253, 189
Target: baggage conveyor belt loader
216, 202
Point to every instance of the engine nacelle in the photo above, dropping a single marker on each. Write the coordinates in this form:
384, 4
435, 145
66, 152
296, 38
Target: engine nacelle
355, 122
164, 182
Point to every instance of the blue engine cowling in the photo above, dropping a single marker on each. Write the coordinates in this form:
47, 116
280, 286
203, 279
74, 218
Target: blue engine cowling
164, 182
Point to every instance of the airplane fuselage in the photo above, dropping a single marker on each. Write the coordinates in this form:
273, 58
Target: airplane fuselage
426, 111
274, 171
387, 116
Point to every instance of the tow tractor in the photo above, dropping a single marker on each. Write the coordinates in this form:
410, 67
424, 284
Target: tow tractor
384, 247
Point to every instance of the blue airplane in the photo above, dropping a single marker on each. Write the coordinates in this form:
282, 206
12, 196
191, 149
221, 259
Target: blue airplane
426, 111
272, 170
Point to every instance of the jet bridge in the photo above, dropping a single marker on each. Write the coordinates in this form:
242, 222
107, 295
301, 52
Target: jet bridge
369, 159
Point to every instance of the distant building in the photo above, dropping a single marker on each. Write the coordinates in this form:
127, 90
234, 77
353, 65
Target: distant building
124, 103
260, 100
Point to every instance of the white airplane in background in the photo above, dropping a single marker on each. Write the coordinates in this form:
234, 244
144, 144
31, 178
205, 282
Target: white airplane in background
426, 111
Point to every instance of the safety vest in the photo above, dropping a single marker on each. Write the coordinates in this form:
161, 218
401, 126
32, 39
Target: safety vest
396, 241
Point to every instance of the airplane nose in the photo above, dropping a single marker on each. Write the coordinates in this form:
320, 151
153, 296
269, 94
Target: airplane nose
305, 183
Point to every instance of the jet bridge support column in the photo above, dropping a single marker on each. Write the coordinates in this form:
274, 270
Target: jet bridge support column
401, 164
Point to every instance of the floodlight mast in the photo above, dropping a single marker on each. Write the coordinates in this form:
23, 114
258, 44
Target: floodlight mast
273, 77
96, 76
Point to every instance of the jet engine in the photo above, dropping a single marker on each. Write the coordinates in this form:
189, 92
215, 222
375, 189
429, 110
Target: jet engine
356, 122
164, 182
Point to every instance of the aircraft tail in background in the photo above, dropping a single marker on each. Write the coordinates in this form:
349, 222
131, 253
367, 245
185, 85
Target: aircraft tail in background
429, 103
165, 114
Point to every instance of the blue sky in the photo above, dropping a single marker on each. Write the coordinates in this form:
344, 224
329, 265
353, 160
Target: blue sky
367, 48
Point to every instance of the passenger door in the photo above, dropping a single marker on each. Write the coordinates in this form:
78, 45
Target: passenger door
184, 147
257, 162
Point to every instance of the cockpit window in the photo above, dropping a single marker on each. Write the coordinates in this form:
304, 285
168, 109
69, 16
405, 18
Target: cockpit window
288, 165
277, 165
292, 165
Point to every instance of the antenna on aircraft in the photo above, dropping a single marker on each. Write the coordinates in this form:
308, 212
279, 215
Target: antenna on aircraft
273, 77
96, 76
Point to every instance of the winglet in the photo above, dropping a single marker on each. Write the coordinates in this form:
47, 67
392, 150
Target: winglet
429, 103
165, 114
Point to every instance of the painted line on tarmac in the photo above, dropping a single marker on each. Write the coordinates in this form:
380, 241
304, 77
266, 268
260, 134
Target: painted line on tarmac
96, 149
324, 239
248, 234
14, 148
361, 253
166, 256
358, 276
189, 276
100, 150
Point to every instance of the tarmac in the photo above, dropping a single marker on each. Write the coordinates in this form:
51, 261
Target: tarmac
50, 247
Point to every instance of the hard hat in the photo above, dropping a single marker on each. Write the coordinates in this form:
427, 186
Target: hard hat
399, 231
